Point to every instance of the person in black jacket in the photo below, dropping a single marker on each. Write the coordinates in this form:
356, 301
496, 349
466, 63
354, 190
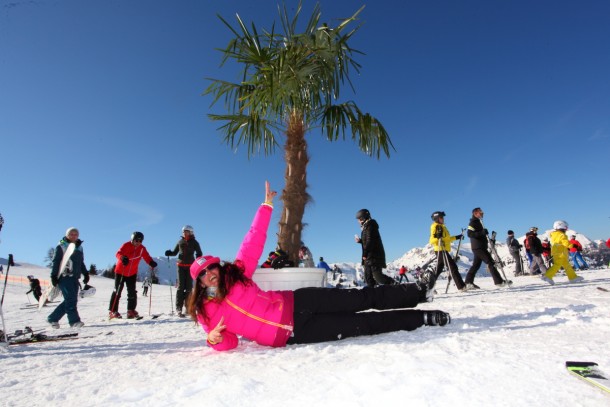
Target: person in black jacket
514, 248
478, 243
35, 287
536, 250
188, 249
373, 254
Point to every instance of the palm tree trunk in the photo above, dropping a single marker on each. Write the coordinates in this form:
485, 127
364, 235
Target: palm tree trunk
294, 196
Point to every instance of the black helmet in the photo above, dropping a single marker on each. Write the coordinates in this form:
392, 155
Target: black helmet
437, 214
363, 214
137, 236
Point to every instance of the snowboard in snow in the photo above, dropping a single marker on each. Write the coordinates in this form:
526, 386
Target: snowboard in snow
590, 372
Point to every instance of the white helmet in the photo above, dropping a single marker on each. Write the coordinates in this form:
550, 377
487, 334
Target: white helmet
87, 291
188, 228
560, 225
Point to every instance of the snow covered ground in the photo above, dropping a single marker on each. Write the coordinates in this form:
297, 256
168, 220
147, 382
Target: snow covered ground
505, 347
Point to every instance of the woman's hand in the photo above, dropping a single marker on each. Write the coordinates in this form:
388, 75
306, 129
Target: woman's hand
215, 335
269, 194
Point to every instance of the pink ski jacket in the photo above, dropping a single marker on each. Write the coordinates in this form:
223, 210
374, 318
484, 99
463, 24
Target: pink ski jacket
265, 317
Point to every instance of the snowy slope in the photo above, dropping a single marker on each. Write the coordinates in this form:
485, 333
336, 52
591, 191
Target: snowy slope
504, 348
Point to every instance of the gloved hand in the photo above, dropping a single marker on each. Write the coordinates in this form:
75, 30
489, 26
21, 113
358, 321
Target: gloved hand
486, 232
459, 237
124, 260
54, 281
168, 253
78, 242
152, 264
86, 278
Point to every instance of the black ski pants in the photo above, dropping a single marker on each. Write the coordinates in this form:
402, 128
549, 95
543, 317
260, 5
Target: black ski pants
132, 294
443, 260
185, 285
482, 256
331, 314
373, 275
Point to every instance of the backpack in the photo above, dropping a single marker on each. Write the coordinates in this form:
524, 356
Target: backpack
526, 242
277, 260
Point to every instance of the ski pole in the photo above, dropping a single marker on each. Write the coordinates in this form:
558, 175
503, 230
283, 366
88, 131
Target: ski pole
171, 299
8, 267
457, 256
152, 271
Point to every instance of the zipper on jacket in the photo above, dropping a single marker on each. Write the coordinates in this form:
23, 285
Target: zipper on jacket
257, 318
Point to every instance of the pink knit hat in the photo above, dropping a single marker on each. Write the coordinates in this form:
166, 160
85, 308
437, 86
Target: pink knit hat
201, 264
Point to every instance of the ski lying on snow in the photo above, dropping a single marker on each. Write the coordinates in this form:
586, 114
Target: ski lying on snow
28, 336
590, 372
154, 316
602, 289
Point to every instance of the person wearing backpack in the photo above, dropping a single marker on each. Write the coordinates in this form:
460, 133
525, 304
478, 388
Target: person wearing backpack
514, 249
532, 266
538, 266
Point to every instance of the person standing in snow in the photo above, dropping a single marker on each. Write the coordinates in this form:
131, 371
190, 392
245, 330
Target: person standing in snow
441, 239
323, 265
145, 285
67, 279
227, 303
402, 274
575, 256
479, 245
559, 251
187, 249
126, 274
373, 253
35, 288
514, 249
538, 266
305, 257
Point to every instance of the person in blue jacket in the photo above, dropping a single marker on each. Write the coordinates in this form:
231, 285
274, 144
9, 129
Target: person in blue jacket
67, 279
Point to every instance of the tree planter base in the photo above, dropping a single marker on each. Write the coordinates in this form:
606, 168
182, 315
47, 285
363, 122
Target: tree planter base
289, 278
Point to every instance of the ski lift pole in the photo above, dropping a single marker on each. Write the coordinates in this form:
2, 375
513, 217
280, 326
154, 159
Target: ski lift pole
8, 267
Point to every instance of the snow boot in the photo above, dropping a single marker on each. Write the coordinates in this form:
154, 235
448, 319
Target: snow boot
132, 314
577, 279
546, 279
436, 318
78, 324
54, 324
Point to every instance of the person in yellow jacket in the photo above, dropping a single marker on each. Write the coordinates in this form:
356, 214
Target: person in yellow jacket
441, 239
559, 250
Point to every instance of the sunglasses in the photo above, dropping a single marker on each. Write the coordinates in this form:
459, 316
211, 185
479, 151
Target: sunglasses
137, 240
205, 271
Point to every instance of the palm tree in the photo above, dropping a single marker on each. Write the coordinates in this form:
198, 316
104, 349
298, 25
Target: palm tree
290, 82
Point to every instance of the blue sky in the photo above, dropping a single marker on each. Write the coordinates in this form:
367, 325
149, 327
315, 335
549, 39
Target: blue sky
499, 104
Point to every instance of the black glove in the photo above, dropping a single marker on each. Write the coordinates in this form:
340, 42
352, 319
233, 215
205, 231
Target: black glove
486, 232
54, 281
153, 264
86, 278
78, 242
124, 260
459, 237
168, 253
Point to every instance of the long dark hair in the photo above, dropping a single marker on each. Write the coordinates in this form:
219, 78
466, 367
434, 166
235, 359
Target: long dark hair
229, 274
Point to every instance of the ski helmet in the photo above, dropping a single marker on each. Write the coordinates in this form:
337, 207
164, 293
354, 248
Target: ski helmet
87, 291
560, 225
533, 229
137, 236
188, 228
30, 277
437, 214
363, 214
510, 232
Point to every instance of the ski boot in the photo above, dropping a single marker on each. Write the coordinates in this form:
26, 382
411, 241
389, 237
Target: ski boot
114, 315
132, 314
436, 318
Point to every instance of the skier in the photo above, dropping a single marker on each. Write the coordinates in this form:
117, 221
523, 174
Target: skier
441, 239
373, 253
559, 251
145, 285
227, 303
515, 250
546, 253
323, 265
188, 249
126, 273
67, 279
538, 266
35, 288
575, 256
402, 273
305, 257
478, 242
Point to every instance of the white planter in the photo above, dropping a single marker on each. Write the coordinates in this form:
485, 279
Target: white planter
289, 278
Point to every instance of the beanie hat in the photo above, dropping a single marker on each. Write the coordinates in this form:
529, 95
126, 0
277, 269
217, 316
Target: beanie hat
201, 263
510, 232
71, 229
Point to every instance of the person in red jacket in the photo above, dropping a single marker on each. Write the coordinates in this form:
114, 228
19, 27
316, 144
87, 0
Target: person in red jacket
403, 274
575, 249
126, 273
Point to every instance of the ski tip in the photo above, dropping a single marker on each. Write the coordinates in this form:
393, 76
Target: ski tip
580, 364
